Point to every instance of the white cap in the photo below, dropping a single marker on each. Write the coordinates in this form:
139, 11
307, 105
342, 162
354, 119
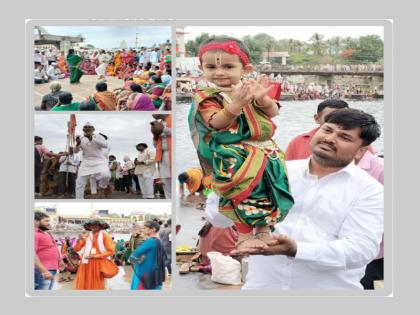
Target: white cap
88, 124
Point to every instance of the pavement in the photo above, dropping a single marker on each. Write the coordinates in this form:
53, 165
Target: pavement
198, 281
115, 195
121, 281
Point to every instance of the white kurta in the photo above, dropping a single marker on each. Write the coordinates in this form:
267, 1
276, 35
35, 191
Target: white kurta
103, 60
337, 223
93, 158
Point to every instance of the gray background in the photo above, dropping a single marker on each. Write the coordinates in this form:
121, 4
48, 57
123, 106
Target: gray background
400, 109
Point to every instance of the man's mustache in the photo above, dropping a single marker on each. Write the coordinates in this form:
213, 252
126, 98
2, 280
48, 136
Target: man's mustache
329, 144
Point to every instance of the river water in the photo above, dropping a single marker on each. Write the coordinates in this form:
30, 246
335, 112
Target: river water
296, 117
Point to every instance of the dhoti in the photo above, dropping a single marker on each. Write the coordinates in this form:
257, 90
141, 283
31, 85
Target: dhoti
101, 178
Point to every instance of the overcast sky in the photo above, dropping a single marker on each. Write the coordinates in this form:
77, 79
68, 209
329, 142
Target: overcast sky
112, 36
85, 208
124, 131
302, 33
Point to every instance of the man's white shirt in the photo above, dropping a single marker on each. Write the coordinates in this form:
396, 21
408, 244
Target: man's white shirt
93, 158
337, 222
73, 162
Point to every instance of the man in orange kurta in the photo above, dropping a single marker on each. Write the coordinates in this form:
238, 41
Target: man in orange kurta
89, 276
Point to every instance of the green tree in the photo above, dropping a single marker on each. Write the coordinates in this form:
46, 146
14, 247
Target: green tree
149, 217
334, 45
255, 48
318, 46
350, 43
192, 46
300, 59
371, 48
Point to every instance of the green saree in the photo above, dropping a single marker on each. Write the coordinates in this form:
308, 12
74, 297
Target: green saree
247, 167
74, 62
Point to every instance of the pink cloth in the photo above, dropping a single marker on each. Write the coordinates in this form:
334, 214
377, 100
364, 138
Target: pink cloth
221, 240
374, 166
143, 102
46, 250
41, 149
300, 147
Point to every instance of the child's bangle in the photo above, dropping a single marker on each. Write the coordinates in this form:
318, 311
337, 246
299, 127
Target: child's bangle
265, 106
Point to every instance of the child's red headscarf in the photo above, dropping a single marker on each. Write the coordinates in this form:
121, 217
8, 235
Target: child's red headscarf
231, 47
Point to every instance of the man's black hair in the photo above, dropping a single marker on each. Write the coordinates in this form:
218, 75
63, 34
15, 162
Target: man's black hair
136, 88
101, 86
156, 79
65, 98
38, 215
350, 118
87, 105
337, 104
183, 177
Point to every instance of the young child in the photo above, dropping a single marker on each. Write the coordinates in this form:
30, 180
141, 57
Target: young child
231, 126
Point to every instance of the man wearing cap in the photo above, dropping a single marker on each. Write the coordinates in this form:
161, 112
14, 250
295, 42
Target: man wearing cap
94, 163
94, 247
145, 167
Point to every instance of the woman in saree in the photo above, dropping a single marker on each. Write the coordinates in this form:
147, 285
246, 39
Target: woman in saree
148, 260
232, 129
62, 64
139, 101
156, 90
87, 67
110, 70
69, 256
95, 247
117, 62
74, 62
106, 100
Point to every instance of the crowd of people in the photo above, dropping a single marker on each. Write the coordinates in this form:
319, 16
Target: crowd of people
114, 227
327, 67
317, 226
145, 75
95, 255
66, 174
186, 85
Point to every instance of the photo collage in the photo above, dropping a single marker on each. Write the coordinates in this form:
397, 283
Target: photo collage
207, 158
